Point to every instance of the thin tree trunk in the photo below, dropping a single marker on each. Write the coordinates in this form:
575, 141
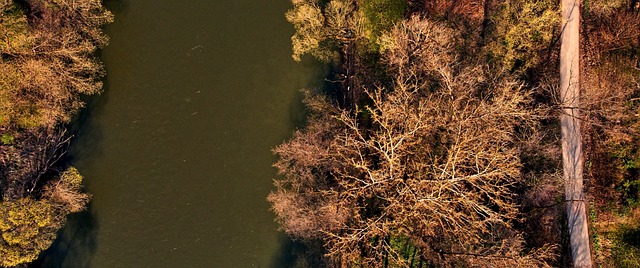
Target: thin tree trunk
485, 21
571, 138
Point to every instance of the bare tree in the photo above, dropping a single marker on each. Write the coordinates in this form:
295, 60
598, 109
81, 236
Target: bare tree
66, 192
430, 162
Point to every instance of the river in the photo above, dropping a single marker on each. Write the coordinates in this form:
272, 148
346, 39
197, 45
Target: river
176, 151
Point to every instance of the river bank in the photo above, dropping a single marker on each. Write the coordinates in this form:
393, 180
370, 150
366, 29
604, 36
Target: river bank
176, 151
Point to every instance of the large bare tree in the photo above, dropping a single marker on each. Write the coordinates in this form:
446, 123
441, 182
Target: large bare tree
423, 172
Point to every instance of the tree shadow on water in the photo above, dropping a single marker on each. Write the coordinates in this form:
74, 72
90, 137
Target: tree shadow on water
295, 254
116, 6
75, 245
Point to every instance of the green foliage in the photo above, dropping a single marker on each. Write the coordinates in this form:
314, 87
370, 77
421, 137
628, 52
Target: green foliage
626, 247
380, 16
72, 177
27, 227
7, 139
629, 164
629, 189
626, 154
595, 236
405, 253
321, 29
523, 29
15, 30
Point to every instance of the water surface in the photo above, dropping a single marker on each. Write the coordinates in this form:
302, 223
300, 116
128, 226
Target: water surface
176, 151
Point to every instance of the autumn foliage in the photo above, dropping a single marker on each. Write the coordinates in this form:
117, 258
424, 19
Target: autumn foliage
611, 57
47, 64
359, 177
420, 173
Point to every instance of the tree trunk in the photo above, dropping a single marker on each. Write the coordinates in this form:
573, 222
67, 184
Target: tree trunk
571, 138
485, 21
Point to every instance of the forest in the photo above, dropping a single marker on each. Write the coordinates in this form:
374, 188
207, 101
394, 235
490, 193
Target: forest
437, 142
47, 64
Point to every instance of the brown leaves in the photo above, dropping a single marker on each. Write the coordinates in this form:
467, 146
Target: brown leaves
47, 63
55, 64
66, 192
432, 160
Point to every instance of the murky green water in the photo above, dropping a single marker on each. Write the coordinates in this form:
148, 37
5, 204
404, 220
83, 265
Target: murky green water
176, 152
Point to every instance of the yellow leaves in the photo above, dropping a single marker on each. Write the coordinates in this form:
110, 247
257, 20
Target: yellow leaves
27, 226
308, 21
306, 15
31, 95
13, 258
71, 176
14, 31
47, 61
523, 29
45, 66
340, 19
319, 30
25, 212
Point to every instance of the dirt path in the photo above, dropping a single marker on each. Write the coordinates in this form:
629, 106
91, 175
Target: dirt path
571, 138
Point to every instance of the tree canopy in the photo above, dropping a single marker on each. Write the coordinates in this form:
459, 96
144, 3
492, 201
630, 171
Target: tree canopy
429, 161
47, 63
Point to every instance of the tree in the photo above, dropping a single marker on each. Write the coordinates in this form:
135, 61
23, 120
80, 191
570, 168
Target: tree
609, 91
319, 30
379, 16
27, 227
427, 166
523, 30
47, 62
66, 192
